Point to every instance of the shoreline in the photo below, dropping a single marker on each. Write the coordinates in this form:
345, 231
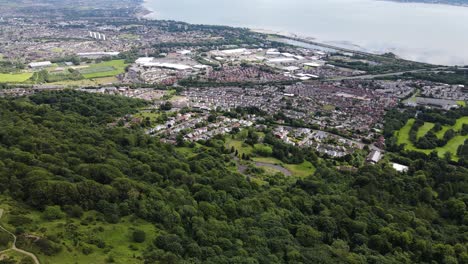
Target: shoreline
149, 13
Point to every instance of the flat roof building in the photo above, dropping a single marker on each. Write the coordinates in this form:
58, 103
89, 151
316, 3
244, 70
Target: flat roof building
40, 64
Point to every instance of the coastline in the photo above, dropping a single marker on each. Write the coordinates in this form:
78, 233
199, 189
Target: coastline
433, 2
143, 11
149, 14
409, 53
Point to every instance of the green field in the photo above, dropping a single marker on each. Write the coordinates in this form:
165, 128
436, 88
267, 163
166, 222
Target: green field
104, 69
403, 134
17, 257
424, 129
14, 77
239, 145
458, 126
299, 170
451, 146
115, 237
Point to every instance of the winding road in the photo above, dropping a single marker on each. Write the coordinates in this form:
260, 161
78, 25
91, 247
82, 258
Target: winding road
13, 246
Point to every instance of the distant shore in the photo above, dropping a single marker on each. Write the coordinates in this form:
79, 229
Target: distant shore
437, 2
407, 47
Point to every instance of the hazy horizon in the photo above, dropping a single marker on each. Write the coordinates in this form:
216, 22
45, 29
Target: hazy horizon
434, 33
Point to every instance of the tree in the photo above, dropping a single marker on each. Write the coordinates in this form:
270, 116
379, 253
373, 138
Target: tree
308, 236
139, 236
53, 213
166, 106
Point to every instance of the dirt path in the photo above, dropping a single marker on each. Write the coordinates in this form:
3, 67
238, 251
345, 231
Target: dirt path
283, 170
242, 168
13, 247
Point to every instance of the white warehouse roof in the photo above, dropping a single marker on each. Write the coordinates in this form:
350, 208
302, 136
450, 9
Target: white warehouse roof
39, 64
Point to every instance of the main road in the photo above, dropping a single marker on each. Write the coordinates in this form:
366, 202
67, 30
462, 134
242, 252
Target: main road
372, 76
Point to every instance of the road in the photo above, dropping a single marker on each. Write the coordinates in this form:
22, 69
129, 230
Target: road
372, 76
13, 246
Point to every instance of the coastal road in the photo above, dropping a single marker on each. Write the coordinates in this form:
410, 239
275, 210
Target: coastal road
13, 246
372, 76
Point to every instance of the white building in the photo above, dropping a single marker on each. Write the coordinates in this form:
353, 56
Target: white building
40, 64
97, 54
374, 157
399, 167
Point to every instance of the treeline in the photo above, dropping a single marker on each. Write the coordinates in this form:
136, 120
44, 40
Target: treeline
384, 66
44, 76
452, 77
58, 149
9, 66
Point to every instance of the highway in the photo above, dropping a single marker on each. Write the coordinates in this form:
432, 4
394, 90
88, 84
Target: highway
372, 76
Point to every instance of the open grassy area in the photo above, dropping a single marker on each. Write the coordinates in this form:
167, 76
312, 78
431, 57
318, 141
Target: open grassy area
403, 134
144, 114
424, 129
239, 145
299, 170
16, 256
116, 238
460, 122
14, 77
451, 146
104, 69
440, 134
461, 103
329, 107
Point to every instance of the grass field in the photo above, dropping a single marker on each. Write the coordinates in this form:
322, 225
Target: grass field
329, 107
104, 69
403, 134
441, 133
152, 116
239, 145
461, 103
458, 126
17, 257
424, 129
116, 237
14, 77
299, 170
451, 146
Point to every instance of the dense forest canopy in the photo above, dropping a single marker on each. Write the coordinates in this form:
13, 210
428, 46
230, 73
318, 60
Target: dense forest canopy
64, 149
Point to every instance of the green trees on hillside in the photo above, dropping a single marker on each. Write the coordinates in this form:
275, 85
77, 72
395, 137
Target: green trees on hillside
59, 155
